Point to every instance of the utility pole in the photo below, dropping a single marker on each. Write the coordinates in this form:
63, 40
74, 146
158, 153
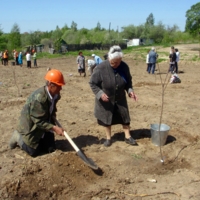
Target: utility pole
109, 26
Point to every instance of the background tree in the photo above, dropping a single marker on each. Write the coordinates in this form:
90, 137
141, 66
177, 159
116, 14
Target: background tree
25, 39
34, 37
15, 37
157, 32
70, 36
129, 32
3, 40
57, 34
149, 24
193, 19
64, 28
46, 41
150, 20
98, 27
1, 32
83, 36
74, 26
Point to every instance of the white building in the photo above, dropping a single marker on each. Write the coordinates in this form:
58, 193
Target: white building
138, 41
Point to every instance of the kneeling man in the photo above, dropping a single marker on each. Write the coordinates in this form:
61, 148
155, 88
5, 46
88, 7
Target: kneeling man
36, 127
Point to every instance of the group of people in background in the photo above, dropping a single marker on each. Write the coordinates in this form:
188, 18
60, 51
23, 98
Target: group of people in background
18, 58
174, 57
29, 56
151, 59
92, 63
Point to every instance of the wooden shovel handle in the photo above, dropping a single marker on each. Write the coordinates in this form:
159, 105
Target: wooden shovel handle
71, 142
67, 136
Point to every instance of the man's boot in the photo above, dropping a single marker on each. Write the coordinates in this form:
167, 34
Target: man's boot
15, 140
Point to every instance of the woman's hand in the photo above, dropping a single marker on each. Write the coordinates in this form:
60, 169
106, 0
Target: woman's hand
104, 97
133, 96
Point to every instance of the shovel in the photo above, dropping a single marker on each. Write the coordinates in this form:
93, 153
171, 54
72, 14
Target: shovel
88, 161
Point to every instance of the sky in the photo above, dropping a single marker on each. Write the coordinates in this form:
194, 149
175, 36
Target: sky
45, 15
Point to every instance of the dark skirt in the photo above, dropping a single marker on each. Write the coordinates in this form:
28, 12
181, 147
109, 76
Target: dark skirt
116, 119
81, 70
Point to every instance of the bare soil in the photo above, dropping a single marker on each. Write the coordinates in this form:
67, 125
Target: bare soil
125, 172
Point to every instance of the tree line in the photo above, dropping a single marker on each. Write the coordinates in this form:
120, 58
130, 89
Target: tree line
159, 33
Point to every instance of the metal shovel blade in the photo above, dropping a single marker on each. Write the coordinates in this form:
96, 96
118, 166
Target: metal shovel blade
88, 161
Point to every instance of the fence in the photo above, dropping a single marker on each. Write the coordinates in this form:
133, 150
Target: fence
97, 46
73, 47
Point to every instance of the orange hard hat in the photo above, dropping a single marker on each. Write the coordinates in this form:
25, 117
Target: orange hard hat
55, 76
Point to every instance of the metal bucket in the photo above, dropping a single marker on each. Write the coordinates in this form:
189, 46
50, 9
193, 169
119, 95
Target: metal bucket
159, 139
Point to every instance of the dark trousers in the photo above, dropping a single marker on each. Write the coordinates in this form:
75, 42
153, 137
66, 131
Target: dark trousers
148, 67
152, 67
16, 61
5, 61
176, 67
35, 62
171, 68
29, 64
46, 145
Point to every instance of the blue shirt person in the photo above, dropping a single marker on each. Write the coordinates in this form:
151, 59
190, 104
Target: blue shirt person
97, 59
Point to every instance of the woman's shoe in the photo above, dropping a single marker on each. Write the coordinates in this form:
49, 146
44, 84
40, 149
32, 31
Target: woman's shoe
107, 143
130, 141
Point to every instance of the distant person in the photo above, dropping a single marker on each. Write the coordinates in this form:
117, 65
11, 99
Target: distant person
81, 63
152, 60
105, 56
147, 60
177, 60
20, 59
1, 57
5, 57
35, 59
91, 66
97, 59
28, 59
15, 55
172, 60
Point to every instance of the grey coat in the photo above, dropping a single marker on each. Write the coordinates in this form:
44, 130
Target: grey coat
152, 56
114, 84
81, 62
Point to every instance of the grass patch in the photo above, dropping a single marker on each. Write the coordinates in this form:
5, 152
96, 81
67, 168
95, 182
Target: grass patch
136, 156
138, 49
159, 60
86, 53
48, 55
195, 58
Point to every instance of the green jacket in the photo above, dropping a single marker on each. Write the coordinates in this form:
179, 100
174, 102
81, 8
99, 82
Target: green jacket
35, 117
34, 55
